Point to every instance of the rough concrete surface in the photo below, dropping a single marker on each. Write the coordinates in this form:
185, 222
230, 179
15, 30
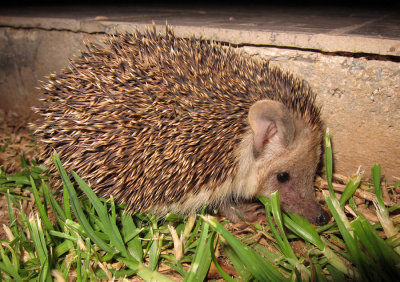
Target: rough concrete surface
27, 57
350, 58
331, 29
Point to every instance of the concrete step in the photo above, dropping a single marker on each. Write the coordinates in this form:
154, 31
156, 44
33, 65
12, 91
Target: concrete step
329, 29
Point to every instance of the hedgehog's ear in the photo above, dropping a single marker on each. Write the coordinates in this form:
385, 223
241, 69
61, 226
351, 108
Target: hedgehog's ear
271, 122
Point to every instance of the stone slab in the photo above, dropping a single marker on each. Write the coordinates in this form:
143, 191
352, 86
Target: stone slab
328, 29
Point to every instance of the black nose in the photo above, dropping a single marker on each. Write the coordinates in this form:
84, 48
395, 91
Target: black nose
322, 218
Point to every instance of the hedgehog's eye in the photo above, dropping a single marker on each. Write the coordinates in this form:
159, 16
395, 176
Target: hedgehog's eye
283, 177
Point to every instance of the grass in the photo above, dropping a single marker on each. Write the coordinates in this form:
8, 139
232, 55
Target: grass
89, 238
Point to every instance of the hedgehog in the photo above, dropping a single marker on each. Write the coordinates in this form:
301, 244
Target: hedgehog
168, 124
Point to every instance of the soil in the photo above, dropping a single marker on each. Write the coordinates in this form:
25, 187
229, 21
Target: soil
15, 140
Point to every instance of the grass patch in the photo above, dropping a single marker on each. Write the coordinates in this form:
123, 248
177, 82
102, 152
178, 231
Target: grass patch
89, 238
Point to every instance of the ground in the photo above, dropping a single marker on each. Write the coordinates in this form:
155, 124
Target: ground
16, 139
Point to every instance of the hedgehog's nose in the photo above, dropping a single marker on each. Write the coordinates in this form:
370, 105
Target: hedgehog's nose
323, 218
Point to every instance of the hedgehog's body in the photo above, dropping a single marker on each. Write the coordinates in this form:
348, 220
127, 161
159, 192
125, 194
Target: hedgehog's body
163, 124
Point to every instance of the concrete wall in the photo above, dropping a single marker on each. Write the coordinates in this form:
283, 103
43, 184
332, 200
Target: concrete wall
27, 56
360, 96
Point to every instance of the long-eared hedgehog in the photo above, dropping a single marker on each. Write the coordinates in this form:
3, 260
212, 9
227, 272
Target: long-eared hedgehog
163, 124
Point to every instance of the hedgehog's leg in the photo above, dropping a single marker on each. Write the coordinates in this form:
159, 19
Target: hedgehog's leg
246, 211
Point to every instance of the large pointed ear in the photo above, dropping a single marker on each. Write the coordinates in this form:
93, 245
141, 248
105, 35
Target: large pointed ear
271, 122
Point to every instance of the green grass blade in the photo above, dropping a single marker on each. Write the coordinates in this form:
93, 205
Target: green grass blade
260, 268
381, 211
150, 275
351, 242
202, 259
131, 236
7, 267
351, 187
11, 214
66, 201
302, 228
142, 271
54, 206
19, 180
42, 212
76, 206
224, 275
63, 247
329, 162
204, 263
273, 205
243, 272
338, 264
79, 263
336, 275
317, 272
41, 248
4, 146
376, 178
110, 227
154, 252
22, 159
87, 258
385, 258
10, 272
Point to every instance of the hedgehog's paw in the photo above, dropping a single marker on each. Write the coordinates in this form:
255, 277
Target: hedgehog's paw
249, 211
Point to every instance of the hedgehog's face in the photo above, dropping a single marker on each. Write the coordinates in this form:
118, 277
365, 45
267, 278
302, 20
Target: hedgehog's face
287, 152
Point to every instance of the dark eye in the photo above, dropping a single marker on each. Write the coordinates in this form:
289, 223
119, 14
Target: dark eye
283, 177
